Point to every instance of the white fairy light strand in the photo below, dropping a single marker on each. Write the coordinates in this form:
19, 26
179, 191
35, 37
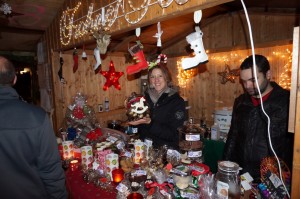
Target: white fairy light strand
70, 28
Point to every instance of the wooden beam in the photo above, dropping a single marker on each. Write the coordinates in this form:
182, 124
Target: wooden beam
156, 13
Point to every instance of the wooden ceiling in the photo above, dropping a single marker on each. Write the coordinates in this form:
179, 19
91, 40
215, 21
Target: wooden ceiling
23, 28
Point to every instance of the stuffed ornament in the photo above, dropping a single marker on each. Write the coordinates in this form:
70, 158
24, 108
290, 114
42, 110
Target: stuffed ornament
138, 55
61, 62
83, 56
195, 40
75, 58
97, 57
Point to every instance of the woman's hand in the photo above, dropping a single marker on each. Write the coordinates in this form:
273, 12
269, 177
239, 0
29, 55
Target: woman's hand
144, 120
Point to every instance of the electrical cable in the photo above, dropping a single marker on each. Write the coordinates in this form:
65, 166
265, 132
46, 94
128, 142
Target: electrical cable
260, 97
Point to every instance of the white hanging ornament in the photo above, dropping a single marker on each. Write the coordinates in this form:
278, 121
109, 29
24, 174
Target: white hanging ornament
195, 40
181, 2
138, 32
158, 34
164, 3
97, 57
197, 16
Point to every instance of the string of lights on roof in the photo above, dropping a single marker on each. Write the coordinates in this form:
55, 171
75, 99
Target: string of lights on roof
103, 18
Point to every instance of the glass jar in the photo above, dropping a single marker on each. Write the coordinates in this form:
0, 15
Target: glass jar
227, 181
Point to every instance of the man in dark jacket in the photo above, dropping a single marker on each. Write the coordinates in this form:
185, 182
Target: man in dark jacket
30, 163
248, 139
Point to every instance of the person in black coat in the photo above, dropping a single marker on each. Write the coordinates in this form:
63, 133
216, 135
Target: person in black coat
167, 110
248, 138
30, 162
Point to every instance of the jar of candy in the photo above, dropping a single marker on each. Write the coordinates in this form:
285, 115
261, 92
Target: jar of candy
227, 180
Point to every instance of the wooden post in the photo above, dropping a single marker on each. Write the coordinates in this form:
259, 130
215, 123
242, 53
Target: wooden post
295, 96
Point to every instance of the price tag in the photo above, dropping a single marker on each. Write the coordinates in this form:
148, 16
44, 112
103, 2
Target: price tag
122, 188
194, 154
192, 137
178, 172
121, 145
128, 154
139, 173
111, 139
196, 168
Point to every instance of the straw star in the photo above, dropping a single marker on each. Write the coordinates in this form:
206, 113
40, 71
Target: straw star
228, 74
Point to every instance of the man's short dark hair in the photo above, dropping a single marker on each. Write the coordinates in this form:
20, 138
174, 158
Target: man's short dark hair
262, 63
7, 72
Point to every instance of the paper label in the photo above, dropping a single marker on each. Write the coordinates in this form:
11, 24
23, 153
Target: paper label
222, 189
193, 137
112, 139
139, 173
194, 154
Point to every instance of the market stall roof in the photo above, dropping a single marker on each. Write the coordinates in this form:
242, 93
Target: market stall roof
22, 29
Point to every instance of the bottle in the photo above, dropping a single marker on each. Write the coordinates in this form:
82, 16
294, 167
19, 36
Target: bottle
106, 104
215, 132
227, 181
203, 125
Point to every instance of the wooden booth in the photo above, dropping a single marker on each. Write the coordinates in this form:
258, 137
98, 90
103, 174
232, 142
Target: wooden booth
225, 39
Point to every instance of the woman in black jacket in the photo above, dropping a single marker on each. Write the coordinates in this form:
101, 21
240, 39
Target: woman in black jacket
167, 110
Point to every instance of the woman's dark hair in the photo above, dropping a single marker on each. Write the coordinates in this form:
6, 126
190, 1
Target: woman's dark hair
262, 63
7, 72
165, 72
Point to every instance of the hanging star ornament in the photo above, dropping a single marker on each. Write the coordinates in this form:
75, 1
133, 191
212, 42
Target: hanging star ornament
112, 77
228, 74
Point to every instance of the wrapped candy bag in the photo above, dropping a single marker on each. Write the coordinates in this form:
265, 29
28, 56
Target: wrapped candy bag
136, 106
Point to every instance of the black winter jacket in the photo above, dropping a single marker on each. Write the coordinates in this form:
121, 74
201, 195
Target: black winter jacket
248, 143
30, 164
166, 116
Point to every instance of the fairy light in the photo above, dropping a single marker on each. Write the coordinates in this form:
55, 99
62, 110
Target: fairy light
105, 19
66, 24
184, 76
285, 76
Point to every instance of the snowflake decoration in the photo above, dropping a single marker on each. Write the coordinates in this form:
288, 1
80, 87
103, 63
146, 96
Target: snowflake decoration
5, 8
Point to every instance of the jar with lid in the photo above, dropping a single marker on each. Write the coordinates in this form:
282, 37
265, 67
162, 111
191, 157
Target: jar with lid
227, 180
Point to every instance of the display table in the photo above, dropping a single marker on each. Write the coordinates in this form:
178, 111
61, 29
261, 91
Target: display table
79, 189
212, 153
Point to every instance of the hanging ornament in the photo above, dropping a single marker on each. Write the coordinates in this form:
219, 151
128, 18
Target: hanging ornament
181, 2
83, 56
78, 112
228, 74
164, 3
158, 35
196, 43
112, 77
61, 62
75, 58
138, 55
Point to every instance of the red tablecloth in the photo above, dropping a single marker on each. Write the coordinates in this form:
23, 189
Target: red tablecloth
79, 189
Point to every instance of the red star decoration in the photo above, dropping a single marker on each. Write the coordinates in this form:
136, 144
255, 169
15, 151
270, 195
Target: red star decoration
112, 77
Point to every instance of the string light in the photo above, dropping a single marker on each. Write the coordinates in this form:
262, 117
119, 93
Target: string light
184, 75
285, 76
106, 17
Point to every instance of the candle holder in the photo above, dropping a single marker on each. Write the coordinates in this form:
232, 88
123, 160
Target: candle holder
117, 175
74, 165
